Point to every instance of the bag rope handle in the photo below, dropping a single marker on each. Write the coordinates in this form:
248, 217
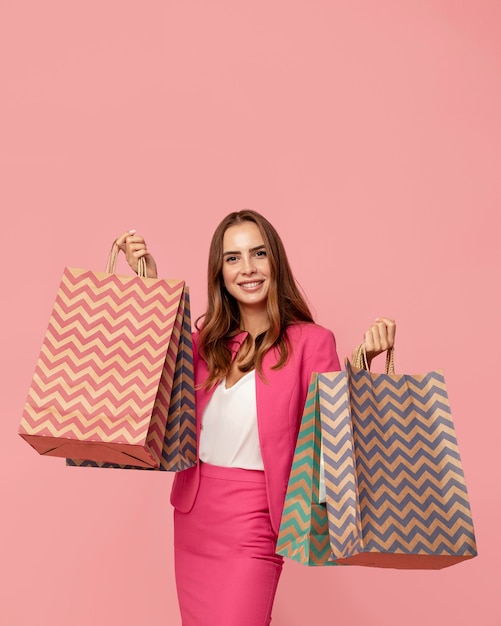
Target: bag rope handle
361, 362
112, 262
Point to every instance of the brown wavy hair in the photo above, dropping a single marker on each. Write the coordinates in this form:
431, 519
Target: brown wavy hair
221, 320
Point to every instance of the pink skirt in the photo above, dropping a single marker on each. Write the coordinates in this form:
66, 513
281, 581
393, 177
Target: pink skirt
227, 570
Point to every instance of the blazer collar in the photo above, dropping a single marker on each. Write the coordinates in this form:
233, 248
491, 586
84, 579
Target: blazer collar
235, 342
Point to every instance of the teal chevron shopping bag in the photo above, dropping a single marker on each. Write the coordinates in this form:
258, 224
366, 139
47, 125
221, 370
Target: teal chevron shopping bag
304, 531
396, 495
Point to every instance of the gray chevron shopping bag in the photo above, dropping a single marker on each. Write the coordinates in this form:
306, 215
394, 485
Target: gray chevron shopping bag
395, 489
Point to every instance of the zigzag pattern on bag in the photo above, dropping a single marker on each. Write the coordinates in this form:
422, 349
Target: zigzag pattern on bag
180, 444
412, 498
303, 534
101, 363
408, 503
157, 431
340, 471
179, 449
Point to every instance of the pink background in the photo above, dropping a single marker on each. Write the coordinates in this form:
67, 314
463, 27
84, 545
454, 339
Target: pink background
368, 132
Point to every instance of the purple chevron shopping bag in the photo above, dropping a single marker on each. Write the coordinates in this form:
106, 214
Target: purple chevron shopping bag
395, 490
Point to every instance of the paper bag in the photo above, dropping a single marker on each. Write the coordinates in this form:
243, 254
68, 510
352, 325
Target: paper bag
103, 384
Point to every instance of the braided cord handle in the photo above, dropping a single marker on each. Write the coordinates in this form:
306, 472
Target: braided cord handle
361, 362
112, 262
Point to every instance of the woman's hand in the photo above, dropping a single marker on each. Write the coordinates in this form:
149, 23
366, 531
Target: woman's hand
379, 337
134, 247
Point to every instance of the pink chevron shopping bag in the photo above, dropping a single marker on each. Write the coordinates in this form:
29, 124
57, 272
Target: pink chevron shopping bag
114, 380
395, 490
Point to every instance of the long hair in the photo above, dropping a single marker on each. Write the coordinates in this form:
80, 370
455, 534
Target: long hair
221, 321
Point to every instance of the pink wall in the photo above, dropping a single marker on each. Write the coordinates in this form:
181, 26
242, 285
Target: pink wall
368, 132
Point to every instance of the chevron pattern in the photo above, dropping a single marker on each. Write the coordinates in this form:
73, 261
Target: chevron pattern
179, 449
396, 495
303, 534
339, 460
111, 343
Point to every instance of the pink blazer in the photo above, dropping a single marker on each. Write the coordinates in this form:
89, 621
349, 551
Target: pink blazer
280, 402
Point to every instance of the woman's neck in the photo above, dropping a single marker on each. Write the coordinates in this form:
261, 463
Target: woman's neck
254, 322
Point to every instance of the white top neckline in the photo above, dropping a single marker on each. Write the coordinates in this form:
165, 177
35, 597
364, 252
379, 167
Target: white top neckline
225, 388
229, 436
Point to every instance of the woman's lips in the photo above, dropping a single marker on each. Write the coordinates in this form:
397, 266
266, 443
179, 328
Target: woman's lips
251, 284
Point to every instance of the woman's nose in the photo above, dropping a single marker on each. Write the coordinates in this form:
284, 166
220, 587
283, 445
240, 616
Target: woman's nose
248, 265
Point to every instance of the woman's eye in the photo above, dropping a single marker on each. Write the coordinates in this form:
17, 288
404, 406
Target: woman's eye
261, 253
230, 259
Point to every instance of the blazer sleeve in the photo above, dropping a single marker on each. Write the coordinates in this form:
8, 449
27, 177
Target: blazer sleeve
320, 354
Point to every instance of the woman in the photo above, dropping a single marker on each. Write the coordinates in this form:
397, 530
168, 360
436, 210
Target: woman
254, 354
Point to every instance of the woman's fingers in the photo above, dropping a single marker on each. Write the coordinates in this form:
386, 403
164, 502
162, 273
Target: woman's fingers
380, 336
391, 327
122, 239
134, 247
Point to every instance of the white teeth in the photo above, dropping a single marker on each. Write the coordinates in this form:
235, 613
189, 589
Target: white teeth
250, 285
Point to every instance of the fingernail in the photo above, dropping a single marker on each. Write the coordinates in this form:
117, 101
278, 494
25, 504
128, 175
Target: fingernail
132, 231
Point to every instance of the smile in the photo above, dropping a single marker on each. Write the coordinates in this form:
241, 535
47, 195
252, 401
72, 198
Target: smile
252, 285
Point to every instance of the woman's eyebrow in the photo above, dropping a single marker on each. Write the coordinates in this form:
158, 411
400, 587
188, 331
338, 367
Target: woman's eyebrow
255, 249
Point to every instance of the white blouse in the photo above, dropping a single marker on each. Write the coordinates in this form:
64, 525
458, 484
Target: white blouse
229, 435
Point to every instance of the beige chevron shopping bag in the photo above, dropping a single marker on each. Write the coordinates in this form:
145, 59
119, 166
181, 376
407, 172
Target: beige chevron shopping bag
396, 495
114, 379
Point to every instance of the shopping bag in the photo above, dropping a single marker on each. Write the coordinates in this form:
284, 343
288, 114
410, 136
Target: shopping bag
179, 444
114, 350
304, 532
395, 490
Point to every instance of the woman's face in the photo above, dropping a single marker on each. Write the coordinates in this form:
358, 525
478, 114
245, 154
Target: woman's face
246, 268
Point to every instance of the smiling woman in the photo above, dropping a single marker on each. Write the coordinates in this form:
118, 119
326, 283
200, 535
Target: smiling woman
255, 349
246, 274
266, 312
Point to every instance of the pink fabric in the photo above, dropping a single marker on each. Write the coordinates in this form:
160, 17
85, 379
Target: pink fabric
280, 400
227, 570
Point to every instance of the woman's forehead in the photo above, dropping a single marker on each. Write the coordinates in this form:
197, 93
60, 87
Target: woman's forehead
242, 236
